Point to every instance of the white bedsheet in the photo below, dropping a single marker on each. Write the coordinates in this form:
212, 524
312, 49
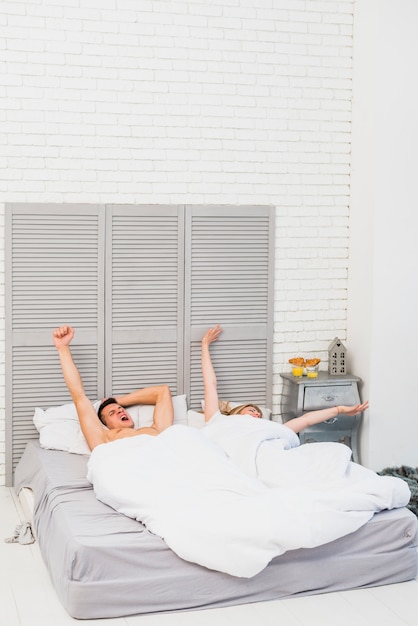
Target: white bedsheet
184, 487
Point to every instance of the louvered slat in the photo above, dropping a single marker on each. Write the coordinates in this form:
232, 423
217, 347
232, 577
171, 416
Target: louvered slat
55, 270
144, 365
229, 270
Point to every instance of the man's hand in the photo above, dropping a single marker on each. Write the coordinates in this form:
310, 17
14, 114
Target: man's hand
62, 336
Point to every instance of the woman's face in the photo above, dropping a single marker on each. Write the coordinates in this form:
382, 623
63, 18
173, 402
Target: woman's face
250, 410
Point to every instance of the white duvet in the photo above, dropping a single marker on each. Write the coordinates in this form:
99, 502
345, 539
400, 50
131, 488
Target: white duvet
237, 493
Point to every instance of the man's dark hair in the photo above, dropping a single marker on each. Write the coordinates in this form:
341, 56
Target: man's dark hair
102, 406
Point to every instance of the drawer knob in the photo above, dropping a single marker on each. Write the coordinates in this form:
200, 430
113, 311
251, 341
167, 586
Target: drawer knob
332, 420
329, 398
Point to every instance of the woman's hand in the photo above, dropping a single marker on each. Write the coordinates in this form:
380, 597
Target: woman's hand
209, 376
211, 335
353, 410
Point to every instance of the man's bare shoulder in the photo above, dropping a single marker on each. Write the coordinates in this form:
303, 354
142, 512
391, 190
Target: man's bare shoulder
121, 433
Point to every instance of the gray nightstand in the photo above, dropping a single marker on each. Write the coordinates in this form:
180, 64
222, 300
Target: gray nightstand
304, 394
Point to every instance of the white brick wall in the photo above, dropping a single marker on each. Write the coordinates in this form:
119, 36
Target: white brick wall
204, 101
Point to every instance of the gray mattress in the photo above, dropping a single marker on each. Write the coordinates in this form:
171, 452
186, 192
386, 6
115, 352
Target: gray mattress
103, 564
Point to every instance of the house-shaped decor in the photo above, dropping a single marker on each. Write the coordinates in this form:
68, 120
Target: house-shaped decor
337, 357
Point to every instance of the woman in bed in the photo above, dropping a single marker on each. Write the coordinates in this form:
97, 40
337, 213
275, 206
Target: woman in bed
212, 400
257, 445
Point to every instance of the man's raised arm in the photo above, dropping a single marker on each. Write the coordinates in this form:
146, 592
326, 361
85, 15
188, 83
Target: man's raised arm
89, 422
160, 396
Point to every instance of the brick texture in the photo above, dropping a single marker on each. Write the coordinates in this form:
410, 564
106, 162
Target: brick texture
199, 102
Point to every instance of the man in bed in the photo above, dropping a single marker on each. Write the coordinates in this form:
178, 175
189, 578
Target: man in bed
263, 456
112, 413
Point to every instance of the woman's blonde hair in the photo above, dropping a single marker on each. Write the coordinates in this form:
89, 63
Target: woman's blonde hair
237, 409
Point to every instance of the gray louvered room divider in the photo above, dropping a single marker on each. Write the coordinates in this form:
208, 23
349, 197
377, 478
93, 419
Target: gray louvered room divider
140, 284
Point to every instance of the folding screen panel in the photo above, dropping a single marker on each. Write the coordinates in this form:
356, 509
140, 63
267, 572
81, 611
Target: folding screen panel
144, 297
54, 275
229, 274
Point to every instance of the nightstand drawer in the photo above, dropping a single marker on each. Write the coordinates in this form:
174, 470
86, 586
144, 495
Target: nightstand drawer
320, 397
312, 435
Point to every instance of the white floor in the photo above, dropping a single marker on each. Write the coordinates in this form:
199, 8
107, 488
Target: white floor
27, 597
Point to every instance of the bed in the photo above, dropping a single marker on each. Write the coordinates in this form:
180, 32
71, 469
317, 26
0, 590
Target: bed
103, 564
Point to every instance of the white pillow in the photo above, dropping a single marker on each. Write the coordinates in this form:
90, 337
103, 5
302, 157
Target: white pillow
266, 413
63, 435
59, 428
195, 419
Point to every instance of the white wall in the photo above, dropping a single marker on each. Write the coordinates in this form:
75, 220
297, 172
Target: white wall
197, 101
382, 325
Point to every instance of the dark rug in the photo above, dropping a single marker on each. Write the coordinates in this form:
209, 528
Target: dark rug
410, 476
